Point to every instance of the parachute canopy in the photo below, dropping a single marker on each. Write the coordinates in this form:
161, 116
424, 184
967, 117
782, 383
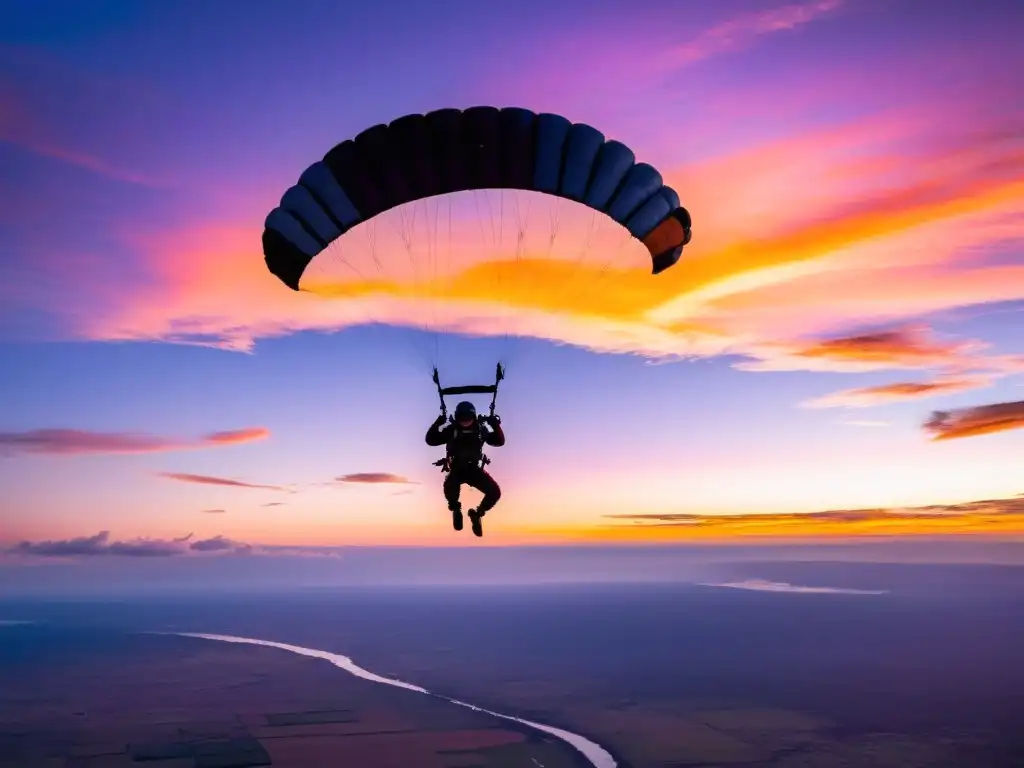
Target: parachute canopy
450, 150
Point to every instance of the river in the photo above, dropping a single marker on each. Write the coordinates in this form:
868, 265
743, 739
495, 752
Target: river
598, 756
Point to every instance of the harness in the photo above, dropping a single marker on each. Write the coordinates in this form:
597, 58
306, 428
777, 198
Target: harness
482, 389
449, 461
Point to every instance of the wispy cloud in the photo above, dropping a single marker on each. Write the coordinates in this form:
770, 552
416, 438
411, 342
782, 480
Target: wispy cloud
761, 585
374, 478
743, 30
213, 511
868, 423
101, 544
865, 397
556, 73
274, 504
40, 97
979, 420
74, 442
24, 130
188, 477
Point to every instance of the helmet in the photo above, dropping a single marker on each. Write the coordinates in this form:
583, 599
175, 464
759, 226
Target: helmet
465, 412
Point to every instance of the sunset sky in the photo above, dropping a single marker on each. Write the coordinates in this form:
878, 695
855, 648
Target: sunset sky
855, 173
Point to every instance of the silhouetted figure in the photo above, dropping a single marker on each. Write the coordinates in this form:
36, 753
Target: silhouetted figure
464, 437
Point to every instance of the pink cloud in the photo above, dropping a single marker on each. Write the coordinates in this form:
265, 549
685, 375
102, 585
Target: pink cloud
234, 436
73, 442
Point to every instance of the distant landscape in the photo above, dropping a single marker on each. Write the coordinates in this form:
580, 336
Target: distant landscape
929, 672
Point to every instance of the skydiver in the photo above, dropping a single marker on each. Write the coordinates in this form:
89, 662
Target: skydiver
464, 437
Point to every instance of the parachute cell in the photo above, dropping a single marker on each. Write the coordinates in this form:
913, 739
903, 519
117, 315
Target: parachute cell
449, 150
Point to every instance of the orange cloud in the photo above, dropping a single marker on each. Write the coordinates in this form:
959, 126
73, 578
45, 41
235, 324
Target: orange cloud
802, 237
979, 420
908, 347
72, 442
1001, 517
865, 397
186, 477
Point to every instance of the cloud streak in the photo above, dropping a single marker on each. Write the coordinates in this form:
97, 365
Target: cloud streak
76, 442
972, 422
762, 585
901, 391
188, 477
374, 478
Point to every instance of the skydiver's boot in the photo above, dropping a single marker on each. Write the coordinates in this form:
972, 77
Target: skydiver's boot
456, 509
475, 519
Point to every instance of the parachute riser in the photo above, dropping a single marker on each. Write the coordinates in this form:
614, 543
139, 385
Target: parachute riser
480, 389
445, 464
440, 394
499, 374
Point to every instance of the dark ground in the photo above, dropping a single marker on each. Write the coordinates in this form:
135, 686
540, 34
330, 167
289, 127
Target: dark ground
98, 699
931, 674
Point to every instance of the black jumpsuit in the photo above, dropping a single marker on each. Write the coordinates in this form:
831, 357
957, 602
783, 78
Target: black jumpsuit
465, 447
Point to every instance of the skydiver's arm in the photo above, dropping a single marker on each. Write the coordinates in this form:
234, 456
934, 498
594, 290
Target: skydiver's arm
437, 436
494, 436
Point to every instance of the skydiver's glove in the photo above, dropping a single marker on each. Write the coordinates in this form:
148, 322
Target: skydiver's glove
494, 420
439, 421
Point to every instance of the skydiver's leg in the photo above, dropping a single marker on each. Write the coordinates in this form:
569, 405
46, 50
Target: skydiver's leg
484, 483
452, 488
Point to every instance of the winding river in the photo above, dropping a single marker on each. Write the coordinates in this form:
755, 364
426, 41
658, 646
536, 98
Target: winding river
598, 756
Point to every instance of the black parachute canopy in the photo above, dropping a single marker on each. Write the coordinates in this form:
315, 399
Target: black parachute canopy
451, 150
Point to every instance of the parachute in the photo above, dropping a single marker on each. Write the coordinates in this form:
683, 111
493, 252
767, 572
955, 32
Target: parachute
421, 158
